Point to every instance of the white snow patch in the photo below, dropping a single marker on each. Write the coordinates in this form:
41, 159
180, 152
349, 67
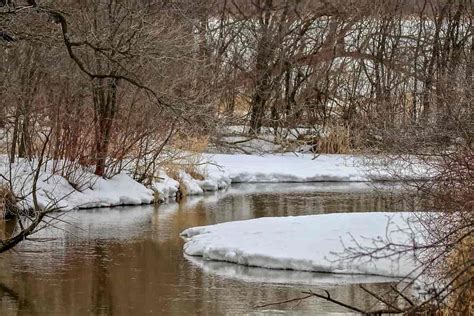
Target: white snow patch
191, 185
306, 243
289, 168
292, 167
216, 178
166, 187
55, 190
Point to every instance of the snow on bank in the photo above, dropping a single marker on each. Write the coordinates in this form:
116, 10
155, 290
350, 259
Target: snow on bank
219, 172
165, 186
306, 243
289, 168
54, 190
298, 168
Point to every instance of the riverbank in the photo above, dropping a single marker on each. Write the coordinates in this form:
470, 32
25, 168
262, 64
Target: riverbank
80, 188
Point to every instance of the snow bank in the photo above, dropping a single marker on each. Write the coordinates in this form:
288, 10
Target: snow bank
191, 185
219, 172
307, 243
166, 187
55, 190
288, 168
291, 167
119, 190
215, 179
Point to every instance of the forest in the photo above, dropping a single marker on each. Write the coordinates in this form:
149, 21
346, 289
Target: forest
128, 102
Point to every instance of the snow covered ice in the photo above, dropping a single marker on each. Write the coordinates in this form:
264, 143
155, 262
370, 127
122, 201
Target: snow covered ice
307, 243
289, 168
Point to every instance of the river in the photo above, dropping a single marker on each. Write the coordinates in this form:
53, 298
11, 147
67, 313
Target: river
129, 261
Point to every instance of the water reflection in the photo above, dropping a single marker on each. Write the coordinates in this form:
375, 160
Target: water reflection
129, 260
259, 275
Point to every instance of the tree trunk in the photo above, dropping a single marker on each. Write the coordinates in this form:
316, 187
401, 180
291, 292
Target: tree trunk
262, 71
105, 105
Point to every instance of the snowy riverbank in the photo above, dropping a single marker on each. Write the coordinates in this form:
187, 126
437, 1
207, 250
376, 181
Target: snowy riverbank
316, 243
79, 189
289, 168
218, 171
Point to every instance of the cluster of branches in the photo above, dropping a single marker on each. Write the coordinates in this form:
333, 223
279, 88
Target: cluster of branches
290, 63
439, 240
112, 80
93, 85
129, 70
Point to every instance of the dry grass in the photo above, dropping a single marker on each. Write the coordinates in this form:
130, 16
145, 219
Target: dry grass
335, 141
187, 157
461, 301
193, 172
190, 143
7, 201
173, 171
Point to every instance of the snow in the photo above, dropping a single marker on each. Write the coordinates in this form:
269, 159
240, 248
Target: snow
166, 187
121, 189
219, 171
192, 186
292, 167
216, 179
306, 243
55, 190
235, 139
288, 168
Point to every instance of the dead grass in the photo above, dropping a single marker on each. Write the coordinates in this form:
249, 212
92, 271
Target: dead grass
190, 143
193, 172
335, 141
461, 301
7, 201
173, 171
187, 158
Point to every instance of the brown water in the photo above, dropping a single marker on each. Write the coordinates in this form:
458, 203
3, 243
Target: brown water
129, 260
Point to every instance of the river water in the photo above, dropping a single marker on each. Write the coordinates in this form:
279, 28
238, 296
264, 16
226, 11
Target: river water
129, 260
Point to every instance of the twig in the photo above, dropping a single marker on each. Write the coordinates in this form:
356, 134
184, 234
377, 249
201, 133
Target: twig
296, 299
381, 299
330, 299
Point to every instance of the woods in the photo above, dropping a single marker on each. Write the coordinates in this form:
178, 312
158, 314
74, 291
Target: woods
94, 89
353, 66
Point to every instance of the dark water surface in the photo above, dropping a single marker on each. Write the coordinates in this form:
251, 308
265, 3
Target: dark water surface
129, 260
